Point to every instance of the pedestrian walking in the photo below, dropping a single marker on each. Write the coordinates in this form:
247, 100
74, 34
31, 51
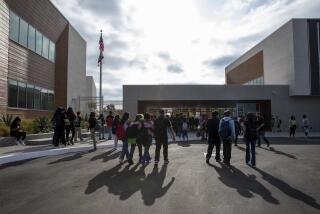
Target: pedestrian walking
65, 122
250, 137
292, 125
305, 125
16, 130
272, 123
227, 133
101, 124
115, 124
124, 123
70, 125
212, 128
261, 130
185, 127
77, 127
237, 130
148, 124
92, 128
279, 123
109, 121
132, 133
161, 127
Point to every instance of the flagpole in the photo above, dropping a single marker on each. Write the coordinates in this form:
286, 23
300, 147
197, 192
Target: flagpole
101, 81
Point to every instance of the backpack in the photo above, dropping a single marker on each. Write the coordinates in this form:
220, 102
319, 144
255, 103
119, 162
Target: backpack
251, 133
76, 122
120, 132
225, 129
143, 136
132, 131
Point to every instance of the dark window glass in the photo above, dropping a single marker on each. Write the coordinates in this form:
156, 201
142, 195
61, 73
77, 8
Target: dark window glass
22, 95
32, 38
14, 27
44, 99
12, 93
45, 47
23, 33
30, 89
52, 51
50, 99
37, 97
38, 42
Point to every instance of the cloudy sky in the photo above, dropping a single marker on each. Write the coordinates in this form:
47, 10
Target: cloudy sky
174, 41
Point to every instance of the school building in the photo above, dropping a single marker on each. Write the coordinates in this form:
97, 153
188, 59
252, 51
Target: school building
42, 60
280, 76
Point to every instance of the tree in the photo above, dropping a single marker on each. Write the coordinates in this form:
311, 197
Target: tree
92, 105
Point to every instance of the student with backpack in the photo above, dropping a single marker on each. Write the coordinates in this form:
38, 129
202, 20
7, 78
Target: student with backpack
115, 124
132, 134
148, 124
109, 121
101, 126
161, 126
237, 129
250, 137
77, 127
261, 130
121, 135
92, 128
70, 125
227, 134
212, 128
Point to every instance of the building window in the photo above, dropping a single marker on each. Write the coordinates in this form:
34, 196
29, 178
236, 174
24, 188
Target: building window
14, 27
22, 95
44, 99
38, 42
12, 93
52, 51
50, 99
23, 33
30, 93
258, 81
37, 97
45, 47
32, 38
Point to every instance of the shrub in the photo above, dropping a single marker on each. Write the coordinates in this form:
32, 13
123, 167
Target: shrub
84, 124
30, 126
43, 124
7, 119
4, 130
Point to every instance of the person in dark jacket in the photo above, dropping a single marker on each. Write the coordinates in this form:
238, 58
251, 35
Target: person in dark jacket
58, 127
92, 126
115, 124
70, 125
16, 130
250, 137
237, 129
261, 130
212, 128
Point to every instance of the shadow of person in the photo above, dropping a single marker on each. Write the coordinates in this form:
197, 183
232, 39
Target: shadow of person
280, 153
122, 183
244, 184
244, 149
152, 187
289, 190
183, 144
69, 158
103, 155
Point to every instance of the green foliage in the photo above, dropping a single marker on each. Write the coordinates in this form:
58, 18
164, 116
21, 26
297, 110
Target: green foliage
43, 124
4, 130
6, 119
92, 106
30, 126
84, 124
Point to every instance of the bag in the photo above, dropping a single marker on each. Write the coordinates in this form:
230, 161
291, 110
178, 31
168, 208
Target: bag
184, 126
143, 136
66, 122
251, 133
76, 122
132, 131
120, 132
225, 129
132, 141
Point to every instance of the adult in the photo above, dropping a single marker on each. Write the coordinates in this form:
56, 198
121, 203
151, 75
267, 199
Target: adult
16, 130
292, 125
101, 126
237, 130
161, 126
77, 127
92, 127
212, 128
148, 124
185, 127
250, 137
115, 124
305, 125
70, 125
124, 123
227, 133
132, 133
109, 121
58, 123
261, 130
273, 120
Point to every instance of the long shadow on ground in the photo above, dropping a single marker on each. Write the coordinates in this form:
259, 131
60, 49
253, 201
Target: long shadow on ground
289, 190
124, 183
272, 149
109, 155
244, 184
68, 158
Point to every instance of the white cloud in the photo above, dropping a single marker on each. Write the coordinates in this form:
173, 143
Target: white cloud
144, 38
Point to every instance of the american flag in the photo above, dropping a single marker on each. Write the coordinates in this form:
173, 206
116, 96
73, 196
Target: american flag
101, 48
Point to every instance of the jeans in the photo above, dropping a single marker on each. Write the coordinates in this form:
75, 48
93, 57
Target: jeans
185, 135
251, 150
227, 150
101, 132
109, 131
125, 151
159, 143
59, 136
261, 134
77, 134
293, 130
19, 135
146, 153
211, 144
132, 148
68, 129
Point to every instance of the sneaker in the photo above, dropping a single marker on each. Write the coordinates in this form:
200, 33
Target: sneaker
121, 161
207, 161
22, 143
166, 162
18, 143
130, 162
